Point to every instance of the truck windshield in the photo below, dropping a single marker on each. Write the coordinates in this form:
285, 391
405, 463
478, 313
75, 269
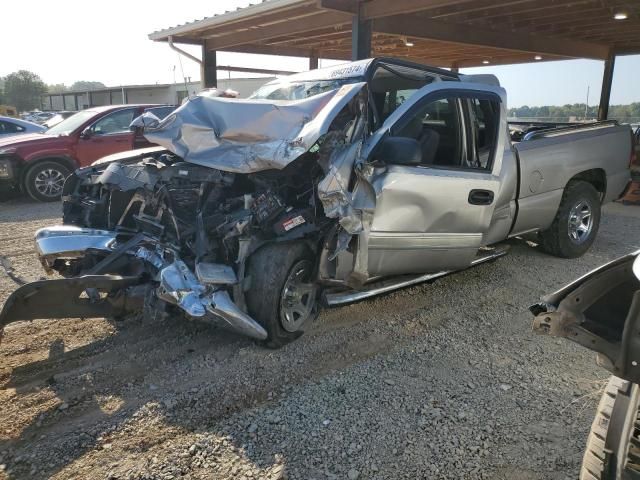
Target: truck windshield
67, 126
299, 90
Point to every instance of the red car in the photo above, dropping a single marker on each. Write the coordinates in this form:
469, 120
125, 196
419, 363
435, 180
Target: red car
38, 164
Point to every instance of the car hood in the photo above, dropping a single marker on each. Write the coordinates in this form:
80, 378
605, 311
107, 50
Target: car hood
24, 139
249, 135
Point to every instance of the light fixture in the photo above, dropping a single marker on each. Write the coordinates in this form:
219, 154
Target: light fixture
620, 16
537, 57
407, 42
486, 62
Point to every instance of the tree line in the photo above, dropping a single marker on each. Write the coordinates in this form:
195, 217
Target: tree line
629, 113
23, 89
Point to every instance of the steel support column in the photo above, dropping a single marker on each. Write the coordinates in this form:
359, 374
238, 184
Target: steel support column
360, 36
313, 62
607, 80
208, 70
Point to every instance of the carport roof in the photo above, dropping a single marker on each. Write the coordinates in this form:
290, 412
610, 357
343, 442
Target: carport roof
448, 33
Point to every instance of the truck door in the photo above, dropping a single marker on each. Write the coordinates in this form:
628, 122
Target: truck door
433, 213
109, 134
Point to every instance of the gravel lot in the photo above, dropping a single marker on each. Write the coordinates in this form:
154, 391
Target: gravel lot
443, 380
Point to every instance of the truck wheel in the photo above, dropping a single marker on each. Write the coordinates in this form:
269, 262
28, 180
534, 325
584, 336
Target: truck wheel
44, 181
609, 440
576, 223
282, 297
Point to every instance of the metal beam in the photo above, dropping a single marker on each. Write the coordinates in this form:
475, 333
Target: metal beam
360, 36
265, 71
261, 34
313, 62
208, 74
607, 80
465, 34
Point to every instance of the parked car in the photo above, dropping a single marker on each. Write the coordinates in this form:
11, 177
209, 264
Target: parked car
601, 311
9, 127
57, 118
39, 164
38, 117
325, 187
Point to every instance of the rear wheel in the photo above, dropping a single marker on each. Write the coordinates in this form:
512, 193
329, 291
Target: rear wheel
576, 223
612, 451
44, 181
282, 296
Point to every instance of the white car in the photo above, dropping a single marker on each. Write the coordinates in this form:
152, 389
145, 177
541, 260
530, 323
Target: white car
13, 126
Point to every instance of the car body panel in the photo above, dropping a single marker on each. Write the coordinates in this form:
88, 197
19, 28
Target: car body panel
600, 311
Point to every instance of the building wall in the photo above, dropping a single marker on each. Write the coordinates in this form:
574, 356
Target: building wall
171, 94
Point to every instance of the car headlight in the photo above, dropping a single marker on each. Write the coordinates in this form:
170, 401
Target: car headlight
7, 151
5, 169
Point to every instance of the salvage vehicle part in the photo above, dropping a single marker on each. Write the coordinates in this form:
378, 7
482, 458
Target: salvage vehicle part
338, 183
600, 311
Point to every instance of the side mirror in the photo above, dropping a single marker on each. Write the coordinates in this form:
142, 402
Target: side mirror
86, 133
399, 151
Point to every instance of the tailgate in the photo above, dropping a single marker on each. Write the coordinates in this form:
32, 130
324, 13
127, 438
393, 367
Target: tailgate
600, 311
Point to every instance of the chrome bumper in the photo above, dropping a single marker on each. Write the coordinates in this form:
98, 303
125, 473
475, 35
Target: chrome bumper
198, 294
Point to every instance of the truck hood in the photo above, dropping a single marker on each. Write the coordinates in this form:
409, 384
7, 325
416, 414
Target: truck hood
248, 135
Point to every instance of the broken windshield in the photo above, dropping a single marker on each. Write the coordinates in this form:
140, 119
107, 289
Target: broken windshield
298, 90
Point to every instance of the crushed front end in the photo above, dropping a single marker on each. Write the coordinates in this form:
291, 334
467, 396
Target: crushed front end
166, 231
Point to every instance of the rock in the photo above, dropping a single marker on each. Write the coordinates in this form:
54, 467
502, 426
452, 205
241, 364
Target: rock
505, 386
252, 428
63, 406
353, 474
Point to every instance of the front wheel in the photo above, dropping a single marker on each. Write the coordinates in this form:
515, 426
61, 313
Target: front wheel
282, 295
576, 223
44, 181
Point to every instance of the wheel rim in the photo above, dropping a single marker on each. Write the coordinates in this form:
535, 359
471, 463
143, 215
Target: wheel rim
49, 182
298, 297
580, 222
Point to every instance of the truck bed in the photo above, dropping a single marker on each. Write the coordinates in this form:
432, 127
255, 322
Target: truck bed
550, 156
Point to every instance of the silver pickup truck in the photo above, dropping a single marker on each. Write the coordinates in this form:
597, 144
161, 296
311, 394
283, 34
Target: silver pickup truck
324, 187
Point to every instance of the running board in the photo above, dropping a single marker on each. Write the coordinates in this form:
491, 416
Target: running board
389, 285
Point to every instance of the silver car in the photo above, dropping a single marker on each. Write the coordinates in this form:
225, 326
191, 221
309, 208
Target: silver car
13, 126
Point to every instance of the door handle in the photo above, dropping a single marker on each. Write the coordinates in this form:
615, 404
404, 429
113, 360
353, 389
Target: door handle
480, 197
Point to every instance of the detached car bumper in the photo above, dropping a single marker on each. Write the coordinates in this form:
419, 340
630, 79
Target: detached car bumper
600, 311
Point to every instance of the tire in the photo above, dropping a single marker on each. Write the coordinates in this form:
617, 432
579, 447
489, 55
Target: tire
274, 271
579, 197
605, 457
36, 178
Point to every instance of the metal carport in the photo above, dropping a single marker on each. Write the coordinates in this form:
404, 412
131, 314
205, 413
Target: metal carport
445, 33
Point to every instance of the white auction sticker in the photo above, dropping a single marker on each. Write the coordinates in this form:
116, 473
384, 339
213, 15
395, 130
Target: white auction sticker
293, 223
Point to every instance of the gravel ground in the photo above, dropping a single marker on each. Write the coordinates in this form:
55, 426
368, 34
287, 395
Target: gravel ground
443, 380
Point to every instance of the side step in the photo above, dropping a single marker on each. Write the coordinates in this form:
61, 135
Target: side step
396, 283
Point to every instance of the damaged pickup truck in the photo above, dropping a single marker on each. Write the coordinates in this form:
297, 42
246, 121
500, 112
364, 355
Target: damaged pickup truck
323, 188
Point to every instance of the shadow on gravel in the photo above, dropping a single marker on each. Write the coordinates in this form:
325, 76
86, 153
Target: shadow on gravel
187, 373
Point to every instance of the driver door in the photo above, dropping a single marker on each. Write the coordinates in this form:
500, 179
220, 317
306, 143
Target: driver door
434, 215
109, 134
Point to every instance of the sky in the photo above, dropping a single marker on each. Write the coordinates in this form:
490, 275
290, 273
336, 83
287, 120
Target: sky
77, 40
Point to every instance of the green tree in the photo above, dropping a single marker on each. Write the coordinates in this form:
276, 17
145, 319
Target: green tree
1, 90
23, 90
85, 85
57, 88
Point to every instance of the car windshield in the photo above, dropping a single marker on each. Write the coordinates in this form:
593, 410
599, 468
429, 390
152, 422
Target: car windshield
298, 90
70, 124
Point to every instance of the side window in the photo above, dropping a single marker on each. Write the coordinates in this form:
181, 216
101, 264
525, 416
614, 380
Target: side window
160, 112
438, 128
484, 116
454, 132
117, 122
9, 127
